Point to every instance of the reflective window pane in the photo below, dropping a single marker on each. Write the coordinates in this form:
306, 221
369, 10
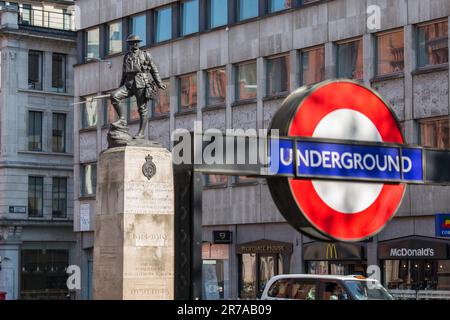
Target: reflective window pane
247, 9
188, 92
313, 66
139, 27
216, 87
218, 13
59, 198
59, 72
89, 113
35, 196
215, 180
248, 276
433, 44
88, 179
390, 53
35, 71
434, 133
93, 44
278, 75
34, 131
133, 112
246, 85
350, 60
109, 113
163, 19
59, 133
115, 38
190, 17
161, 104
278, 5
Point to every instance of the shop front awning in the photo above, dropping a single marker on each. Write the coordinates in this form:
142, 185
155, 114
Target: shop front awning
414, 247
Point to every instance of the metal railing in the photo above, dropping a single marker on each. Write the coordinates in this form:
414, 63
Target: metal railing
46, 19
421, 294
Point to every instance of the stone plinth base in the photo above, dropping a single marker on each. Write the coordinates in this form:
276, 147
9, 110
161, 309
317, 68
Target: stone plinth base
134, 233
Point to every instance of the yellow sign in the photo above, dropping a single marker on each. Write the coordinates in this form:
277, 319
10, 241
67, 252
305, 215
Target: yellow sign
331, 251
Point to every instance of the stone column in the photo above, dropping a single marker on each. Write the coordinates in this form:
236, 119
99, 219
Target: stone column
134, 233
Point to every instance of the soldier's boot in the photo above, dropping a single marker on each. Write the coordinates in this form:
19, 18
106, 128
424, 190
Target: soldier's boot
143, 120
122, 122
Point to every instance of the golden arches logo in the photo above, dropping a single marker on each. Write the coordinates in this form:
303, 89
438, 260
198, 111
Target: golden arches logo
331, 251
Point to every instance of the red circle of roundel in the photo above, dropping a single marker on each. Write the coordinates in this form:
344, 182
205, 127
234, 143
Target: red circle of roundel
322, 101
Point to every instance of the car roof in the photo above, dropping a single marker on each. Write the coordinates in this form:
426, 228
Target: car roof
317, 276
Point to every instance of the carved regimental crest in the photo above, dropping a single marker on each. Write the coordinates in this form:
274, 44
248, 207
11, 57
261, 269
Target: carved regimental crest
149, 167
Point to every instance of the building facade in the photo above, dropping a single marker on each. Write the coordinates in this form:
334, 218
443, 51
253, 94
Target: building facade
37, 243
230, 64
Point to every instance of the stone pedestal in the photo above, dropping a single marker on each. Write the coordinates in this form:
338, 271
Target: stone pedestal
134, 233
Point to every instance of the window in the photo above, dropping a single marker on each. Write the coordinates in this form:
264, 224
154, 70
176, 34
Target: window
390, 53
163, 24
350, 60
216, 87
25, 14
59, 198
247, 9
35, 70
278, 5
59, 132
59, 72
93, 44
218, 13
34, 131
88, 180
278, 75
161, 105
115, 37
215, 180
298, 289
89, 113
188, 92
333, 291
434, 133
433, 44
246, 85
35, 196
189, 17
244, 180
312, 66
139, 27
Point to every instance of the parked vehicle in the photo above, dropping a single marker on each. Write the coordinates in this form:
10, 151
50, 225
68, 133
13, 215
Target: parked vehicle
324, 287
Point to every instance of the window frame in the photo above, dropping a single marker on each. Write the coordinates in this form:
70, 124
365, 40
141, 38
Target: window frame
65, 183
63, 56
347, 41
83, 193
275, 57
207, 87
376, 56
236, 81
300, 57
108, 37
41, 209
417, 44
86, 51
180, 108
40, 70
155, 23
41, 113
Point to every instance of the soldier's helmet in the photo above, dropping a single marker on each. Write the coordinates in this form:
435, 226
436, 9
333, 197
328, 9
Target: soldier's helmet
133, 38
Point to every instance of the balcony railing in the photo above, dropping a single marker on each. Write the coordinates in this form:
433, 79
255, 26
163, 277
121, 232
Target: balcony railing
46, 19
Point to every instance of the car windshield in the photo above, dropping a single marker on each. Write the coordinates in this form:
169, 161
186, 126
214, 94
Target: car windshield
368, 290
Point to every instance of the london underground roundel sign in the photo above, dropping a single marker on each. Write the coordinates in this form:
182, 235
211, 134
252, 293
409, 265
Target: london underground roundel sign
344, 210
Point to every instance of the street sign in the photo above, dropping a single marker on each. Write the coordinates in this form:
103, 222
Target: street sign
354, 117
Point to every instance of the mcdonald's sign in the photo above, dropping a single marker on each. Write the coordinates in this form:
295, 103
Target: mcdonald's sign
331, 253
328, 251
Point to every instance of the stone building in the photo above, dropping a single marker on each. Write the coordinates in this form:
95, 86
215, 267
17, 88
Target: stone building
37, 243
230, 63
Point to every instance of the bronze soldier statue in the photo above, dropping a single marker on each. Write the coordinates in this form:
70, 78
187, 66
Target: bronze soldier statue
140, 78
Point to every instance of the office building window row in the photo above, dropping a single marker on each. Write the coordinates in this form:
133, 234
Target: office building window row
36, 197
36, 69
179, 19
35, 132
